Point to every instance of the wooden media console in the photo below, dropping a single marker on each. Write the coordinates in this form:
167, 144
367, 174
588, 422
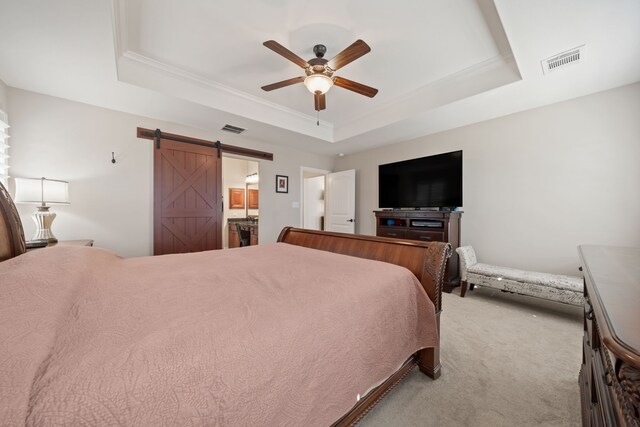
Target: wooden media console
426, 226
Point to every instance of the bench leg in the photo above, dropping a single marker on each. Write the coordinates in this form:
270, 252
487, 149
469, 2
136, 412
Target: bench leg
463, 288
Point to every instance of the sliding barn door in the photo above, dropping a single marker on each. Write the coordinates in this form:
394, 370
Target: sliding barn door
187, 198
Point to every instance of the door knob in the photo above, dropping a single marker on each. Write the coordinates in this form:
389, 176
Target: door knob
350, 220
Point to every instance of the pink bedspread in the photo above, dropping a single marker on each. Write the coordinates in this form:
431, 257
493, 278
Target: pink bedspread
267, 335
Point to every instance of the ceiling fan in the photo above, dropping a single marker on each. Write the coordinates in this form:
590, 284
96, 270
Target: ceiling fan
319, 72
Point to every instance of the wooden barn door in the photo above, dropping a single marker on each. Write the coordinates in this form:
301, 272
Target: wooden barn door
187, 198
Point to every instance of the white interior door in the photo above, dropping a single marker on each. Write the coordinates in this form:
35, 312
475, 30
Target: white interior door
340, 199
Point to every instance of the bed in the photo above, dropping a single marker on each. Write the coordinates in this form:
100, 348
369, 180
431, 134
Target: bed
312, 330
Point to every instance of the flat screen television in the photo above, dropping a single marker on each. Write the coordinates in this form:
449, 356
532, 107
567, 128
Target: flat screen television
427, 182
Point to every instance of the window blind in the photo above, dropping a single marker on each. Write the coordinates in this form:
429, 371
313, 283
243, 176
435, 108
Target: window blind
4, 148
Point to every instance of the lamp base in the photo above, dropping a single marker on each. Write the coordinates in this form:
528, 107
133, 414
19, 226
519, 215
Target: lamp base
43, 219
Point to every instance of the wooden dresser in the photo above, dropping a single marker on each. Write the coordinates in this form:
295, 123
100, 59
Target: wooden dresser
428, 226
610, 373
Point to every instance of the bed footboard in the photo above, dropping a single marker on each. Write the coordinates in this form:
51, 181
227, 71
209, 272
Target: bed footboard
426, 260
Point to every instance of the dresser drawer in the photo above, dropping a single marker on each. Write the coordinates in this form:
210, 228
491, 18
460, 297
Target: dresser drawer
603, 381
394, 233
426, 236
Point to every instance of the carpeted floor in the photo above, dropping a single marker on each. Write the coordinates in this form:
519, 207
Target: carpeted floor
507, 360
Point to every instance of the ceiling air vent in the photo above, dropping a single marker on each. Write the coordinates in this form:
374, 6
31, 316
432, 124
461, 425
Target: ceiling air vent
564, 59
233, 129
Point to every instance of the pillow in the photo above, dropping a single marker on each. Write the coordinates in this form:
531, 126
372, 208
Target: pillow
12, 242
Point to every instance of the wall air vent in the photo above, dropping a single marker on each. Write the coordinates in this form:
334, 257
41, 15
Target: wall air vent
233, 129
562, 60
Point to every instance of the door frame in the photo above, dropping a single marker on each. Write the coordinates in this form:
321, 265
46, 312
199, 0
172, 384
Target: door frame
260, 195
303, 169
157, 135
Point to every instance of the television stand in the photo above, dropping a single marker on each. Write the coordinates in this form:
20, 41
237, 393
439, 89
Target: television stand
414, 209
426, 226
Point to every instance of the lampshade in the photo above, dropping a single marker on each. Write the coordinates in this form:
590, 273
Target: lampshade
318, 83
252, 179
41, 191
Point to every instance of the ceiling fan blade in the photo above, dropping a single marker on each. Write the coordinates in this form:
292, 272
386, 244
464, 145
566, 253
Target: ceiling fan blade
320, 101
283, 83
355, 87
350, 54
283, 51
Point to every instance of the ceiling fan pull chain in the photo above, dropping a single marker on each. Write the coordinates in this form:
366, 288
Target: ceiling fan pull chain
318, 118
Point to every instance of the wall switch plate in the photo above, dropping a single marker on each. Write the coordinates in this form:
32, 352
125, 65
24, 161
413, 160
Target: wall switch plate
295, 205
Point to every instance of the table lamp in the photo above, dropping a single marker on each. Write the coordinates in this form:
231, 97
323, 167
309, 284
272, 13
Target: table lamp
42, 191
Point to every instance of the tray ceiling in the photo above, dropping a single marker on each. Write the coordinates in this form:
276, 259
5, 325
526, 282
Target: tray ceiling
438, 64
418, 50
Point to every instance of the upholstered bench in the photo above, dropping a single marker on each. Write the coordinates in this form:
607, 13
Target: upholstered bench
555, 287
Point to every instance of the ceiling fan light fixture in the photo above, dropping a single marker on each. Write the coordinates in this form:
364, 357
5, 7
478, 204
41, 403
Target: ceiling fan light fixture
318, 83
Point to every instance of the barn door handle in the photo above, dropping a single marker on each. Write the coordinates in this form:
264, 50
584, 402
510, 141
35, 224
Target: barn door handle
350, 220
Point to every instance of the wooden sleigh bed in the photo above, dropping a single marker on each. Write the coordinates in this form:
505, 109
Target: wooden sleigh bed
427, 262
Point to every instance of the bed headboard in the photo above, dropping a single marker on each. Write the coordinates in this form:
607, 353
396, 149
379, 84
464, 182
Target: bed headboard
426, 260
12, 241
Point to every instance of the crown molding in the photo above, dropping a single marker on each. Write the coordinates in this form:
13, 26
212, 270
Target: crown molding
211, 84
141, 70
119, 31
237, 102
145, 72
489, 74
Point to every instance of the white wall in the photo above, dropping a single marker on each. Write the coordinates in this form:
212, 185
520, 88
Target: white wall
3, 140
537, 183
3, 151
313, 202
3, 96
112, 203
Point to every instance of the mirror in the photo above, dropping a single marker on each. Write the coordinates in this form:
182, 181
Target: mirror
252, 193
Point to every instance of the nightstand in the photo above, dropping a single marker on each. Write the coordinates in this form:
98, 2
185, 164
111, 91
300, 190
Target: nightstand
66, 243
72, 243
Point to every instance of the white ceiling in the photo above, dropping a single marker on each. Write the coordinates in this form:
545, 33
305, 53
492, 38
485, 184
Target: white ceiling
438, 64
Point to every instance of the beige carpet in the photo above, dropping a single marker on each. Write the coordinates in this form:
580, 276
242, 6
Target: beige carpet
507, 360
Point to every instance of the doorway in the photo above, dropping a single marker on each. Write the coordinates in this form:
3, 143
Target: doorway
312, 212
188, 195
240, 202
328, 200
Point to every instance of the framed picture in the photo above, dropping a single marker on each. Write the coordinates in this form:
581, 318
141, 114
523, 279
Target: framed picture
282, 184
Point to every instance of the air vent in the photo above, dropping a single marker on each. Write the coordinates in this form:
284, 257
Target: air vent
233, 129
562, 60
